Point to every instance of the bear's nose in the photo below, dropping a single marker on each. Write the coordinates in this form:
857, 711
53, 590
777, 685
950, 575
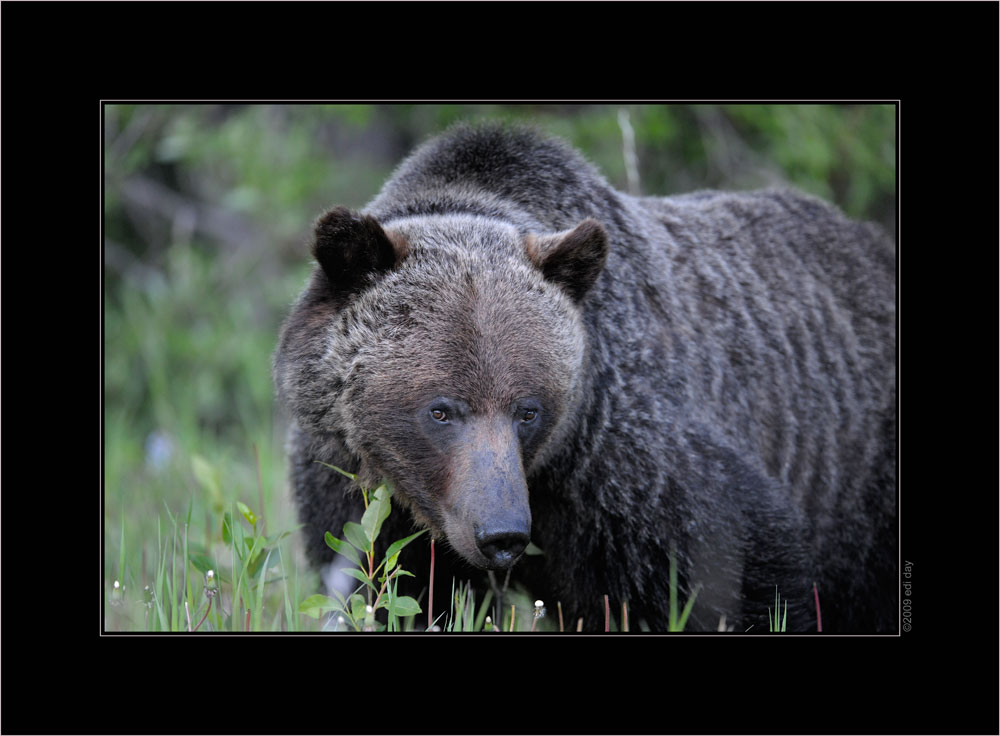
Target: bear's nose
501, 548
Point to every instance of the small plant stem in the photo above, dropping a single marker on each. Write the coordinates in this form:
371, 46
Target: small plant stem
512, 615
205, 616
371, 571
607, 615
382, 590
537, 614
559, 606
246, 626
430, 594
187, 615
579, 624
624, 616
260, 488
819, 618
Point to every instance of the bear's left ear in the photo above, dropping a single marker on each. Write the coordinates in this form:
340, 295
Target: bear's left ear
351, 248
573, 258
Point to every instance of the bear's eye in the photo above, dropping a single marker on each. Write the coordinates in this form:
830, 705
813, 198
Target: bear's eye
439, 415
529, 415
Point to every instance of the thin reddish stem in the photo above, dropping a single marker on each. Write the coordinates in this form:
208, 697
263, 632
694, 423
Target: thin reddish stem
430, 595
205, 616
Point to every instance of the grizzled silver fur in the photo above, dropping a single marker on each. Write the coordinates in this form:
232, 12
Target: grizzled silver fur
715, 373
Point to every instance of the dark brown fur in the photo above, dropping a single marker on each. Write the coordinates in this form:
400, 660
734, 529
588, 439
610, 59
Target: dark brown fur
512, 344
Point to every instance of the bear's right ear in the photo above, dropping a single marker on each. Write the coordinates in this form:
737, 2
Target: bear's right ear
573, 259
350, 248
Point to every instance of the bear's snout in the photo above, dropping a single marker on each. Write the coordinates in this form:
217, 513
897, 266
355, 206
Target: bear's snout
501, 546
489, 516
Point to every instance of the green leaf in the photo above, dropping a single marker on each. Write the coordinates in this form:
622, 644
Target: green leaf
404, 605
376, 513
358, 575
202, 563
343, 601
390, 563
343, 548
356, 535
316, 605
383, 493
262, 560
358, 608
369, 522
247, 513
396, 546
532, 550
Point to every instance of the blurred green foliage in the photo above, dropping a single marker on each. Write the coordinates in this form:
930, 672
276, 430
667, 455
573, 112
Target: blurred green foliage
207, 213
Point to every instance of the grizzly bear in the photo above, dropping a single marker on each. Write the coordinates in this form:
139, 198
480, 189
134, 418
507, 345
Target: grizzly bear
528, 355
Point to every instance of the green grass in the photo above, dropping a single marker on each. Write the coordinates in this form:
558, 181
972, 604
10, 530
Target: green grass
777, 621
241, 579
192, 443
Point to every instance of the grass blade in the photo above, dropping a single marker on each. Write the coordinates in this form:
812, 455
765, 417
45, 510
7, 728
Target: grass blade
483, 609
672, 623
259, 605
121, 552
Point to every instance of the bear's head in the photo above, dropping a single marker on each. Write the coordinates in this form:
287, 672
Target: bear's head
446, 353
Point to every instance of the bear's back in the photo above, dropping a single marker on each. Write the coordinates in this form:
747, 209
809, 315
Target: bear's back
510, 172
780, 321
